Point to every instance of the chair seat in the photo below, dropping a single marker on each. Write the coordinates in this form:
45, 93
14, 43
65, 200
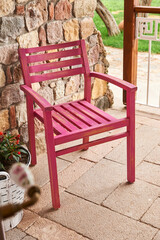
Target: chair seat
79, 119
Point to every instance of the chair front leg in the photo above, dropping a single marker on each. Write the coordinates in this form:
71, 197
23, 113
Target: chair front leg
31, 131
51, 159
131, 137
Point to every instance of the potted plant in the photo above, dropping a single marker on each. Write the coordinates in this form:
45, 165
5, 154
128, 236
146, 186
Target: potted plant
11, 151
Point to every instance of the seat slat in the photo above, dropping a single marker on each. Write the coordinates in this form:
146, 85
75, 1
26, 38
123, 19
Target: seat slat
54, 55
64, 122
80, 115
54, 65
97, 111
93, 130
89, 113
52, 47
77, 122
54, 75
58, 129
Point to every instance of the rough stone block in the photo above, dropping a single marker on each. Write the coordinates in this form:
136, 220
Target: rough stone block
9, 75
87, 27
24, 133
59, 89
71, 30
47, 93
83, 8
4, 120
99, 88
93, 55
8, 53
21, 114
54, 32
93, 40
12, 27
6, 7
63, 10
42, 36
17, 74
20, 10
72, 85
28, 40
2, 77
10, 95
36, 14
97, 222
21, 1
12, 114
51, 10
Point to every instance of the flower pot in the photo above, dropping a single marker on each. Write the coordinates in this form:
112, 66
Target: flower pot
10, 192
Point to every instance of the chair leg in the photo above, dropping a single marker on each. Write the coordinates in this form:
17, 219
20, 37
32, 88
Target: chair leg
31, 131
131, 138
85, 140
51, 160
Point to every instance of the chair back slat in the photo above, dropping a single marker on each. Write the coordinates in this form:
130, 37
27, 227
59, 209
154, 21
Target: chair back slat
54, 55
55, 65
55, 75
52, 47
53, 61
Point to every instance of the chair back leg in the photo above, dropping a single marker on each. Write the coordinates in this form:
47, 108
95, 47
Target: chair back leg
131, 138
51, 159
31, 131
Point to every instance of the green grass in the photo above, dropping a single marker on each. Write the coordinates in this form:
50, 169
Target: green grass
117, 41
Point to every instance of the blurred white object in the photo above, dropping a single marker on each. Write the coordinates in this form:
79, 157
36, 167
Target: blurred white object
21, 175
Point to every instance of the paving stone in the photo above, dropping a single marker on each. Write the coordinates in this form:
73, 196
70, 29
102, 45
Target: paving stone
45, 229
153, 156
73, 172
29, 238
157, 237
28, 219
41, 172
148, 121
96, 184
148, 172
45, 198
97, 222
132, 199
152, 216
146, 139
15, 234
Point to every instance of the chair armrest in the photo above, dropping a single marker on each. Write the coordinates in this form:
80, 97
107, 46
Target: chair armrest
41, 102
116, 81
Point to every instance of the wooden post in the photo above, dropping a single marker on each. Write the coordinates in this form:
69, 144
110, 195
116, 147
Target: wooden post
130, 44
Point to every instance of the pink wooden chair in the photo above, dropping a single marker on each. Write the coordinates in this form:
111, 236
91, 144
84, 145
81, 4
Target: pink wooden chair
73, 120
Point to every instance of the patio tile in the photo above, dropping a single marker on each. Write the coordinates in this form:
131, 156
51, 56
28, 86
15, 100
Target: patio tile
153, 156
40, 170
29, 238
96, 184
15, 234
91, 156
97, 222
73, 172
132, 199
149, 172
152, 216
45, 198
45, 229
28, 219
157, 237
148, 120
146, 139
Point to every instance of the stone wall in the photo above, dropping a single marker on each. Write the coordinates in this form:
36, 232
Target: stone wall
28, 23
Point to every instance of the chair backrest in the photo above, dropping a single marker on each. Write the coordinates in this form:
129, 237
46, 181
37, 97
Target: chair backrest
55, 61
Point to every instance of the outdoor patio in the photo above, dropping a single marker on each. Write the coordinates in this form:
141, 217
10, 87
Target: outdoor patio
96, 201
